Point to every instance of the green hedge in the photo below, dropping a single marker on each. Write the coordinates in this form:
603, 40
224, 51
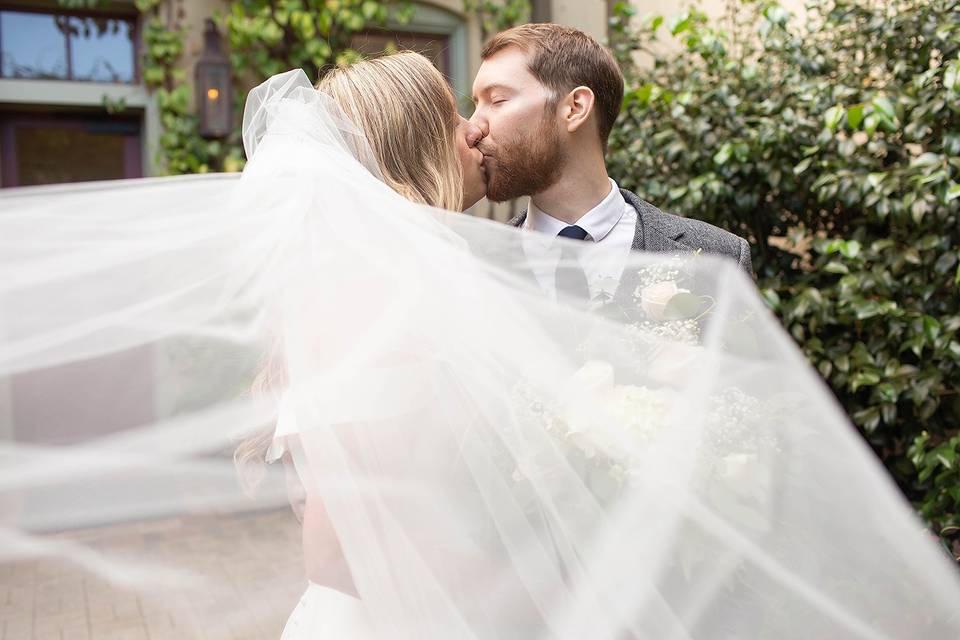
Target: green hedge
832, 142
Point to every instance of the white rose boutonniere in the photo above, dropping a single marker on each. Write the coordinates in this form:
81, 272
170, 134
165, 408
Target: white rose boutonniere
655, 298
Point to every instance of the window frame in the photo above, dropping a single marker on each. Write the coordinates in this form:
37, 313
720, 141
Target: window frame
130, 17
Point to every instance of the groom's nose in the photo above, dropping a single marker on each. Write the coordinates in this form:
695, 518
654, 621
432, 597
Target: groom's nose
474, 134
481, 123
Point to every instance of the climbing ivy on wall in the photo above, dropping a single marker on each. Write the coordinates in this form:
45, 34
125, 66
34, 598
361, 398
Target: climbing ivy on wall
264, 37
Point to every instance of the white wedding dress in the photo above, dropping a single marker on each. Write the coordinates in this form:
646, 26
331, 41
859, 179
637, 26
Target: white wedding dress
494, 464
327, 613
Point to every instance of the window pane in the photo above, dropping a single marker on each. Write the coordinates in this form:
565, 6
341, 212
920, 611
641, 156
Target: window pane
34, 46
101, 49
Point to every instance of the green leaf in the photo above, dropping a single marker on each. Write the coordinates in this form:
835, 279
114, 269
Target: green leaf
802, 166
866, 309
723, 154
917, 210
683, 306
887, 392
951, 76
868, 418
953, 192
875, 180
946, 456
929, 241
884, 107
931, 328
771, 297
776, 14
864, 379
855, 115
842, 363
914, 344
945, 262
926, 160
835, 266
850, 249
833, 116
936, 176
825, 367
680, 23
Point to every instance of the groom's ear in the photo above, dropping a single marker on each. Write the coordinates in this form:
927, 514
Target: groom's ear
576, 107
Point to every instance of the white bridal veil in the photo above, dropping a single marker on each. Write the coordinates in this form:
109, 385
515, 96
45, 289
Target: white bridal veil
658, 463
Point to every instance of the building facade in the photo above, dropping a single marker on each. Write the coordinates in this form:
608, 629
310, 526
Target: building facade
74, 107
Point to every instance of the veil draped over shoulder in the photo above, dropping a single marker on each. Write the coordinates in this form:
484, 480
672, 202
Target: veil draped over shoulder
659, 463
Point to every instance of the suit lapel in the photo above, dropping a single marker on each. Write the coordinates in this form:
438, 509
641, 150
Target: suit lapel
655, 231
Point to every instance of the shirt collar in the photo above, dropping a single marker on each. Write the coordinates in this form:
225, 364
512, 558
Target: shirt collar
598, 222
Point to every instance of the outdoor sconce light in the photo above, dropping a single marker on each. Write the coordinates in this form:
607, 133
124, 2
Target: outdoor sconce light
212, 79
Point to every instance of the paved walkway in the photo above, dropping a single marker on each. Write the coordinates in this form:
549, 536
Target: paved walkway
253, 563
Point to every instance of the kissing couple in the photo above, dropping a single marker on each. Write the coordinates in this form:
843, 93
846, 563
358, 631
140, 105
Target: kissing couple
469, 448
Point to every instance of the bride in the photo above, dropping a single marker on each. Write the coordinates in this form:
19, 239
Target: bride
475, 459
425, 151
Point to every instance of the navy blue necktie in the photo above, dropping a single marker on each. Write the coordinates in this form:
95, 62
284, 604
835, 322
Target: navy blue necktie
570, 280
573, 232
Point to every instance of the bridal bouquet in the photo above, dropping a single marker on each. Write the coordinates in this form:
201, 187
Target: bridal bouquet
731, 436
633, 407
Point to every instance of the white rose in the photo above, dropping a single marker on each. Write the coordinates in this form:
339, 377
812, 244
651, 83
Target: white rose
742, 490
674, 363
654, 299
591, 384
596, 376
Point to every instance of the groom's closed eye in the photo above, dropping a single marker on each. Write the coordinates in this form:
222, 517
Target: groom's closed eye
493, 93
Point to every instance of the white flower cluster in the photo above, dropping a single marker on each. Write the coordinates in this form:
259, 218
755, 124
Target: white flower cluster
611, 426
681, 331
668, 271
629, 415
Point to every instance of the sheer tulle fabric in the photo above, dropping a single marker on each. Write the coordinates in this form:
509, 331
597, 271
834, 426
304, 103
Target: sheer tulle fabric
659, 464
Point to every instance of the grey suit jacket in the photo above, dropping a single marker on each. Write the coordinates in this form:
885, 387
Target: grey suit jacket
659, 231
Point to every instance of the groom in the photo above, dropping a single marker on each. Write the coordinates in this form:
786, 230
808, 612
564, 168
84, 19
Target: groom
546, 99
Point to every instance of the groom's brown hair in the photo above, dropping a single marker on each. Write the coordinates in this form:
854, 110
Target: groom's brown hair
562, 59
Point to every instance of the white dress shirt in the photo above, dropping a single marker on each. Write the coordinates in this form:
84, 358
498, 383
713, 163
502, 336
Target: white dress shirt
610, 227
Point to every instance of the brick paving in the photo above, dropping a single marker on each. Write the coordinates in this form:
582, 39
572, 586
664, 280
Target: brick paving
252, 560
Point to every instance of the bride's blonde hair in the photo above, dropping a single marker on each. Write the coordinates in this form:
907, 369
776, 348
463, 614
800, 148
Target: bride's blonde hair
408, 113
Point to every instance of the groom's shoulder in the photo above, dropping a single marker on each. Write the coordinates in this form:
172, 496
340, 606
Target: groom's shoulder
695, 234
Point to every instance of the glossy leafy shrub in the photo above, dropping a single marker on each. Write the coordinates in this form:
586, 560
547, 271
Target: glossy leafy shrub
832, 142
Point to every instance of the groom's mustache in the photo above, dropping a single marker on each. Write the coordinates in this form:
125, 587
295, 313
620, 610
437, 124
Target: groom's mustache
487, 150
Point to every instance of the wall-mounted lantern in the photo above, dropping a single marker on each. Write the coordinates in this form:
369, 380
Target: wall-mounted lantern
212, 79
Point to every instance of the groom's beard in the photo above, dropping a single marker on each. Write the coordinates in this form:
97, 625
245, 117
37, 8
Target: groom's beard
524, 166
